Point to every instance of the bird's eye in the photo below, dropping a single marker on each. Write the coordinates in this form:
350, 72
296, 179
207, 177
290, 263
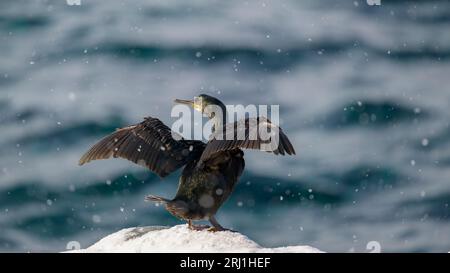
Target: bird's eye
198, 102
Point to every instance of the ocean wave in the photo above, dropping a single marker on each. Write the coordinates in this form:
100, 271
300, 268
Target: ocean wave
70, 134
373, 114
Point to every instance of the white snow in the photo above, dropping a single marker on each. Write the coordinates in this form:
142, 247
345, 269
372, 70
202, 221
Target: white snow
181, 239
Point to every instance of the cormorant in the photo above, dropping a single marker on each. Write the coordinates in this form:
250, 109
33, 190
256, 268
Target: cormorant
211, 169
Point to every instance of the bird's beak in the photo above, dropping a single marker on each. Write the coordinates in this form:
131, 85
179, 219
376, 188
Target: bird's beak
185, 102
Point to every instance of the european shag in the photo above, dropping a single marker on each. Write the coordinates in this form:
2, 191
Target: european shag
211, 169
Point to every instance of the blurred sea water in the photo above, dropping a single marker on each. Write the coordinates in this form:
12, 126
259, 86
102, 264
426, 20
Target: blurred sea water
363, 92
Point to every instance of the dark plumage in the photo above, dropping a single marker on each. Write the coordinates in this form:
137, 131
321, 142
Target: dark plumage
211, 169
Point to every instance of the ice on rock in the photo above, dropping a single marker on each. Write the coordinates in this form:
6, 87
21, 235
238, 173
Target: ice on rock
181, 239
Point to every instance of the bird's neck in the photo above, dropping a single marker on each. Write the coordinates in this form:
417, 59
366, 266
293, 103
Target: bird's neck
218, 116
218, 123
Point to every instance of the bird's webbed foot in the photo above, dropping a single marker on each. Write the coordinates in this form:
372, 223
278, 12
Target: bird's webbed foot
216, 226
215, 229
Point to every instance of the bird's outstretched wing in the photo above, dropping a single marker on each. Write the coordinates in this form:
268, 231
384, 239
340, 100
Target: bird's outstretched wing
149, 143
245, 134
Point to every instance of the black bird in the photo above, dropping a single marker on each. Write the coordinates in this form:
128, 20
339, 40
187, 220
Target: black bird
211, 169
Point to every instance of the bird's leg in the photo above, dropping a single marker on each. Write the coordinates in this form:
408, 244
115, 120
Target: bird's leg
216, 226
196, 227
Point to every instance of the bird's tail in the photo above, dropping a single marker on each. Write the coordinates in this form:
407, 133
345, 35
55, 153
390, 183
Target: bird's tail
158, 199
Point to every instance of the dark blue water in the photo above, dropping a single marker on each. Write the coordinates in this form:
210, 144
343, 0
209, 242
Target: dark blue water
363, 91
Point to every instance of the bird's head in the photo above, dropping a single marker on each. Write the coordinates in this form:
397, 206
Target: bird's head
201, 103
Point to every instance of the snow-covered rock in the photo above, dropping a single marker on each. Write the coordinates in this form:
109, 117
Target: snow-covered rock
181, 239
